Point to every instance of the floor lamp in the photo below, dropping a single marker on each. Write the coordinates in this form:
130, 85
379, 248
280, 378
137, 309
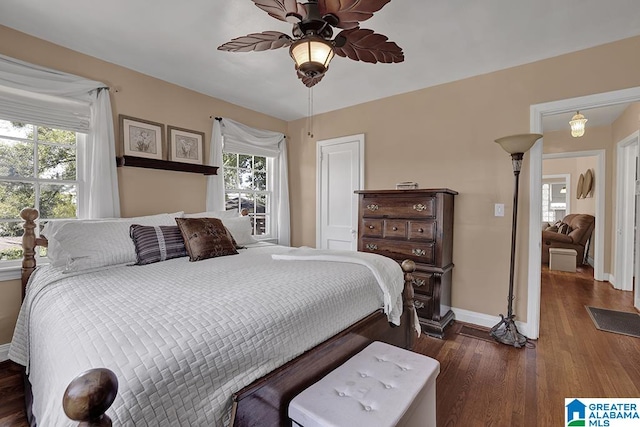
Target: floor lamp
506, 331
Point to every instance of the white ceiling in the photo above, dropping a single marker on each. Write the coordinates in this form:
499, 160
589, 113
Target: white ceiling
443, 41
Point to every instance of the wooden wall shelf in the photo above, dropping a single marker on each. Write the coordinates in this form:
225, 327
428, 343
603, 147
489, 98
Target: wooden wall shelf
141, 162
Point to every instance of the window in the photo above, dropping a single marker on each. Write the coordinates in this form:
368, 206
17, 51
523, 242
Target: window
554, 202
38, 167
248, 183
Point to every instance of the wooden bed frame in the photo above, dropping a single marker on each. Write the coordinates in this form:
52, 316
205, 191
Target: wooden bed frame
265, 401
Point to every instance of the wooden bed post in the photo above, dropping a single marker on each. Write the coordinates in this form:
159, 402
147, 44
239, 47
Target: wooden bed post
29, 215
29, 243
408, 267
88, 397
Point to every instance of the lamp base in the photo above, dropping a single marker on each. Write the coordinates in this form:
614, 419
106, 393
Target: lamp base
507, 333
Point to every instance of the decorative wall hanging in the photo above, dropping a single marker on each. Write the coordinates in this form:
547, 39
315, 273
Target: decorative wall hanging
587, 187
141, 138
579, 194
185, 145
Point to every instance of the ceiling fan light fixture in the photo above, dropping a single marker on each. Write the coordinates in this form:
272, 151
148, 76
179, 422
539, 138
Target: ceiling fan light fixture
312, 55
577, 123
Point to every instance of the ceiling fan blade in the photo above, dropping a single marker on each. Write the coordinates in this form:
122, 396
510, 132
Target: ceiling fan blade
266, 40
280, 8
350, 12
365, 45
309, 81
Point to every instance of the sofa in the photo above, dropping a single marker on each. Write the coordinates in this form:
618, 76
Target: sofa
573, 232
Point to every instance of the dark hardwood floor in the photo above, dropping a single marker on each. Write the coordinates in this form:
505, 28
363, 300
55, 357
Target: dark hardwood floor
482, 383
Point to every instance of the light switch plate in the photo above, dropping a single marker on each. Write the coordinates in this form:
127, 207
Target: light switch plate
499, 209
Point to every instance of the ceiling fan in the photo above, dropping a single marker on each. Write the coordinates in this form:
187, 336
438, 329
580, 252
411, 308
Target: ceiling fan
311, 46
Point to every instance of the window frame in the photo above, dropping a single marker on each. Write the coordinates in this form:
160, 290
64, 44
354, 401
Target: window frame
9, 267
270, 214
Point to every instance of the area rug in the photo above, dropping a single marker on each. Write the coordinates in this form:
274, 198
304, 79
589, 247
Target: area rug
481, 334
619, 322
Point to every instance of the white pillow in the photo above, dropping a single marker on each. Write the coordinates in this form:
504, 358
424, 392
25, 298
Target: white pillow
231, 213
240, 229
86, 244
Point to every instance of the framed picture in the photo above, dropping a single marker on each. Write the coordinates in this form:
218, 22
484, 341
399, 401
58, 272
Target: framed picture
141, 138
185, 145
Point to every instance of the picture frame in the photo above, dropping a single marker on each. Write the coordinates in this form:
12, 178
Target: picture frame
185, 146
141, 138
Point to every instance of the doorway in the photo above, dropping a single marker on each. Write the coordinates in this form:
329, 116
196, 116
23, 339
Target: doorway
340, 166
532, 327
576, 163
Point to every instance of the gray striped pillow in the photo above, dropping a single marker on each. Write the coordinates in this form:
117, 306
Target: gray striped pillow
157, 243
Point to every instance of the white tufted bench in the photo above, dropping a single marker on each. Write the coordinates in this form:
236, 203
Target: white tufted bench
381, 386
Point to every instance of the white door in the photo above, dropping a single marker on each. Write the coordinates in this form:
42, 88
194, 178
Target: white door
340, 166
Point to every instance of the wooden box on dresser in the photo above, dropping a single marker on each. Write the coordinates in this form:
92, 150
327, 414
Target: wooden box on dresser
418, 225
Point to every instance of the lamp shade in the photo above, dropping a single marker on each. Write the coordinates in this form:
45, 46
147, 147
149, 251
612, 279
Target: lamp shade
312, 55
577, 123
520, 143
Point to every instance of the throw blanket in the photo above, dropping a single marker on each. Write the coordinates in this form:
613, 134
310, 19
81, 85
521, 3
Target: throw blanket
387, 272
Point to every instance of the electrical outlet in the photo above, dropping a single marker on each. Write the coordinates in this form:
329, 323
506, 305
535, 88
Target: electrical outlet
499, 209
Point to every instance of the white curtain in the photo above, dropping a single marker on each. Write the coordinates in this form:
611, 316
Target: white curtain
73, 103
229, 135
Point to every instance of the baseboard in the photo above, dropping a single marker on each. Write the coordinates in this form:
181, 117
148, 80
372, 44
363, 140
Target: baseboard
486, 320
608, 277
591, 262
4, 352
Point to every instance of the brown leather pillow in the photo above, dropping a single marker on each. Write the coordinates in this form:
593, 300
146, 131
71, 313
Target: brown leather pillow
205, 238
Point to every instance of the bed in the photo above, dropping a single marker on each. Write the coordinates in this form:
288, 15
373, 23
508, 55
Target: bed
225, 340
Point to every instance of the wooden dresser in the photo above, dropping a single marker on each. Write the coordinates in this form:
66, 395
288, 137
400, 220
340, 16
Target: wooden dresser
417, 225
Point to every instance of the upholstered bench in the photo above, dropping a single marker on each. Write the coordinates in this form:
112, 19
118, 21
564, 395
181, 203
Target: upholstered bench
562, 259
381, 386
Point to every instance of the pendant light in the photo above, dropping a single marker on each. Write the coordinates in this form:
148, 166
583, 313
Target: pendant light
577, 123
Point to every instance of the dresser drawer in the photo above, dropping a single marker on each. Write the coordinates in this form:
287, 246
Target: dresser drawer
422, 230
395, 229
422, 283
423, 252
423, 305
372, 227
415, 207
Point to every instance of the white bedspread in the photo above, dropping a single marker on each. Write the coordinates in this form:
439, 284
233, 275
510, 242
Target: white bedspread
180, 336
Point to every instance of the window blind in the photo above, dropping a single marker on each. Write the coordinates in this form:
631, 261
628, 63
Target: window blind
44, 110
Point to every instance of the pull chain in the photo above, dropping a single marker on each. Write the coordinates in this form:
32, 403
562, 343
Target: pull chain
310, 114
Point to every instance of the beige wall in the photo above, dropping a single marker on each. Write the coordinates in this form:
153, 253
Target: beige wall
10, 299
443, 137
627, 123
142, 191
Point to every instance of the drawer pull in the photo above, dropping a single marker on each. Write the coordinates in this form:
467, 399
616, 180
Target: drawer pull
420, 230
418, 252
418, 282
418, 304
372, 208
419, 207
371, 227
372, 247
394, 228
